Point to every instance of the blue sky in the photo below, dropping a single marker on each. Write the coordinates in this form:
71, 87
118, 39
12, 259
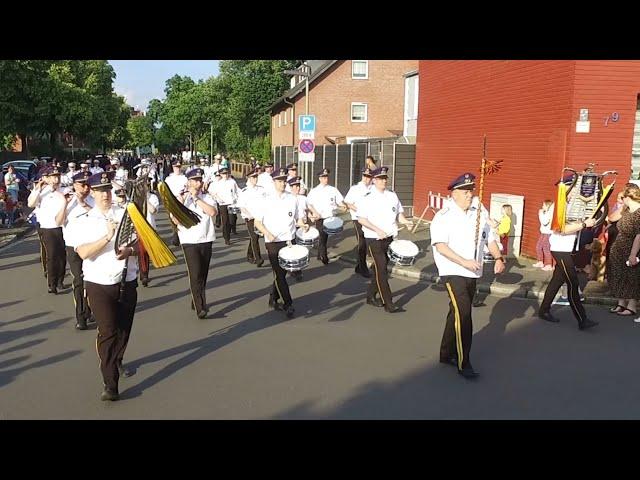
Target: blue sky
142, 80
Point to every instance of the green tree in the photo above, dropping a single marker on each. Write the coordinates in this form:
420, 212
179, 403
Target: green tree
140, 131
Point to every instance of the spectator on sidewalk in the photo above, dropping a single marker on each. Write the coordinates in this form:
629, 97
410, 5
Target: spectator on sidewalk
18, 218
3, 208
624, 281
543, 248
12, 182
504, 227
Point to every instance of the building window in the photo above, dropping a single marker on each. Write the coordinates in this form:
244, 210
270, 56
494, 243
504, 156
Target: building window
358, 112
280, 119
360, 69
291, 114
285, 117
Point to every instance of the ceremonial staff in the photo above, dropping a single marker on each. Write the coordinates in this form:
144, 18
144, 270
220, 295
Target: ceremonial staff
486, 167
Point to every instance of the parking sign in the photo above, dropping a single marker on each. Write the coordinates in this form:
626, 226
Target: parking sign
307, 126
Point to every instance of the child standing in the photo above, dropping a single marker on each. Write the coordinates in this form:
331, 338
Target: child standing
504, 227
543, 248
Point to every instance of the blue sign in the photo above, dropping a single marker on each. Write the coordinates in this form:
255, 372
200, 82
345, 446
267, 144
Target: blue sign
306, 123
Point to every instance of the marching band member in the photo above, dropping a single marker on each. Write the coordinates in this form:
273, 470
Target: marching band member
292, 172
265, 179
453, 233
197, 241
225, 192
67, 178
52, 204
249, 200
177, 182
277, 220
153, 204
355, 194
322, 200
103, 269
96, 167
84, 168
378, 213
294, 185
121, 175
77, 207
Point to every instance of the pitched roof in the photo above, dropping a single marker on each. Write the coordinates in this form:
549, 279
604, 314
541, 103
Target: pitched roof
318, 67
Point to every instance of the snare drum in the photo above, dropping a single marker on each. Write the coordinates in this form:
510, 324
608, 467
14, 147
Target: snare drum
232, 209
293, 258
402, 252
332, 225
308, 238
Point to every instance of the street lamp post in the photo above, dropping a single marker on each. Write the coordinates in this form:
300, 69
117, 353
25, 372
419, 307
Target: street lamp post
210, 144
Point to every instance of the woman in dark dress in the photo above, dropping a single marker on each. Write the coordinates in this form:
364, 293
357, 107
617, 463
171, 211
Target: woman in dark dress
624, 281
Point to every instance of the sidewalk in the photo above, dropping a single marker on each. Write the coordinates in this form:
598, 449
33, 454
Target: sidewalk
10, 235
520, 278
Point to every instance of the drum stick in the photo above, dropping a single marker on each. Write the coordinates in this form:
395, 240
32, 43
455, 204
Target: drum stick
424, 212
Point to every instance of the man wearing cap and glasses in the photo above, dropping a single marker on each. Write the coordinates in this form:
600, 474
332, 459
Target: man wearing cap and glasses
177, 182
355, 195
250, 199
292, 172
322, 200
459, 262
77, 207
277, 220
197, 240
378, 213
51, 205
102, 268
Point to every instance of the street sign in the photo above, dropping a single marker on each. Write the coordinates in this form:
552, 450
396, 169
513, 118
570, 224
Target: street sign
306, 157
306, 146
307, 126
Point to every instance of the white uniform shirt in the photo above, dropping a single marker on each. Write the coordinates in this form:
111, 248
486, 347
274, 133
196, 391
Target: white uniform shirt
151, 217
95, 170
457, 228
324, 198
74, 213
562, 243
202, 232
225, 192
104, 268
279, 214
121, 175
176, 183
50, 203
355, 194
250, 199
381, 209
266, 181
302, 205
67, 178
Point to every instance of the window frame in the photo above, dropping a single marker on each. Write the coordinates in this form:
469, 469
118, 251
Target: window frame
366, 112
366, 75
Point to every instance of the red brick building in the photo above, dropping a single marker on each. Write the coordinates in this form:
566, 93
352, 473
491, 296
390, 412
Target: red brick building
350, 99
529, 110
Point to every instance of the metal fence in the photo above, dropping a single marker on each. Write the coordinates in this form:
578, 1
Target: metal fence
347, 161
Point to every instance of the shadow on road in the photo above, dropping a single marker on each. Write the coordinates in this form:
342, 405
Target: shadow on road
7, 376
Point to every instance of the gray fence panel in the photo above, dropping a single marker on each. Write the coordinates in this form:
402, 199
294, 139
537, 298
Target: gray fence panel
343, 167
359, 160
404, 172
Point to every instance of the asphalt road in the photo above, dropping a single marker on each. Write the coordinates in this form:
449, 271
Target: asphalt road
337, 359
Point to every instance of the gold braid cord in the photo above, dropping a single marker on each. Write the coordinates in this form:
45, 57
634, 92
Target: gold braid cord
487, 167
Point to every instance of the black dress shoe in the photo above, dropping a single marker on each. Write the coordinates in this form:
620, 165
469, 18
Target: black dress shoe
91, 319
325, 260
227, 242
81, 326
274, 304
469, 373
548, 317
391, 308
53, 290
290, 311
259, 263
587, 324
124, 371
109, 395
202, 314
376, 302
145, 283
450, 361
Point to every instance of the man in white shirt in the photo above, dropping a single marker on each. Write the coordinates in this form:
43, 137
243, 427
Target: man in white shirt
459, 262
322, 200
96, 167
197, 240
355, 194
77, 207
292, 172
66, 180
225, 193
563, 244
51, 205
378, 213
177, 183
265, 179
277, 220
110, 279
250, 199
